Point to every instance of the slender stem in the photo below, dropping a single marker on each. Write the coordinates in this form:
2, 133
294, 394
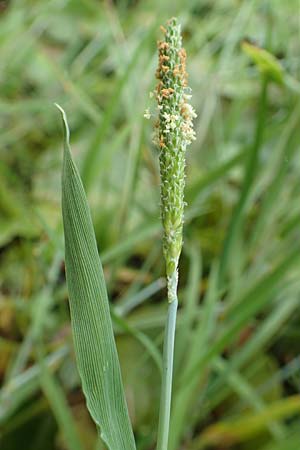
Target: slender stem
167, 376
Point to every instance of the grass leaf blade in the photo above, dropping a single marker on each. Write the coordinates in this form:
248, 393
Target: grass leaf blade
95, 347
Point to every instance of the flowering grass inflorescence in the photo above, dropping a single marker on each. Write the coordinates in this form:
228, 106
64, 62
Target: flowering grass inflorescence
173, 133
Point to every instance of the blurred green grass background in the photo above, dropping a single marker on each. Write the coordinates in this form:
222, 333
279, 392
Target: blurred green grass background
237, 368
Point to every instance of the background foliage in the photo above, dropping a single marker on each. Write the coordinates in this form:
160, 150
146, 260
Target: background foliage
237, 352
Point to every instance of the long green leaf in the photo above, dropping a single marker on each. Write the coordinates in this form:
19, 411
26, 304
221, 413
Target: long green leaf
95, 347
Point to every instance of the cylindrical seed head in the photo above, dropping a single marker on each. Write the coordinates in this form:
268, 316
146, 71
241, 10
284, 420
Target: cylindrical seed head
174, 132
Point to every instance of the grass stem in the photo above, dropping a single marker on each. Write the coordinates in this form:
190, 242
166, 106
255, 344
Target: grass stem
167, 376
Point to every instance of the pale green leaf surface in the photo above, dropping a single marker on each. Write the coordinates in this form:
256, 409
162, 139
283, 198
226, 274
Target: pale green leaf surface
95, 347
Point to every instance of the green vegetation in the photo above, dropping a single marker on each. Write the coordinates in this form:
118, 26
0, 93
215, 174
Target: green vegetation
236, 366
95, 347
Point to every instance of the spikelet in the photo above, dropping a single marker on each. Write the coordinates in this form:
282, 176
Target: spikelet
173, 133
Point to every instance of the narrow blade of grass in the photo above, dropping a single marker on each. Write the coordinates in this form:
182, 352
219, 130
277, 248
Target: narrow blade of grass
23, 386
92, 155
236, 223
58, 403
250, 425
95, 347
252, 302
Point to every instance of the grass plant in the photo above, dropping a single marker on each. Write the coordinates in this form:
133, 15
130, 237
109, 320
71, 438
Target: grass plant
236, 360
91, 322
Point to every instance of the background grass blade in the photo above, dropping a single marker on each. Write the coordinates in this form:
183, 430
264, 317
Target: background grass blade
59, 405
240, 429
95, 347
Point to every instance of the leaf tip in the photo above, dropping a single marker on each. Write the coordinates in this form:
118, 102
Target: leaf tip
65, 122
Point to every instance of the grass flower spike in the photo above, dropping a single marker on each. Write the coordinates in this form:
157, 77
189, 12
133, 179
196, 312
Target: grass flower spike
174, 132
